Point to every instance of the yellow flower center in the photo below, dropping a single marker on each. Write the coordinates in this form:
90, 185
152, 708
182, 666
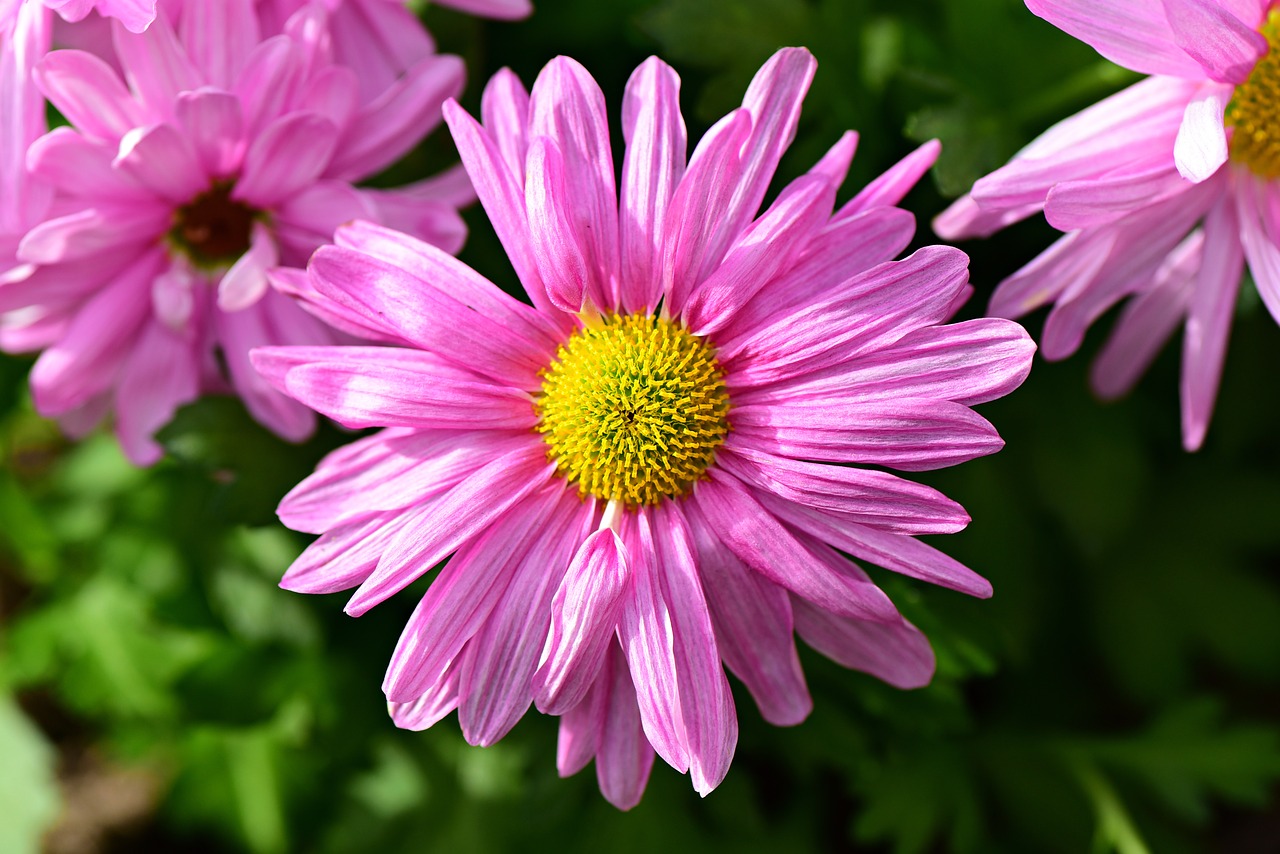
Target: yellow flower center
633, 408
1254, 110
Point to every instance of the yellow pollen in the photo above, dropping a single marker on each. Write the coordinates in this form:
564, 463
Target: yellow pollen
632, 409
1254, 110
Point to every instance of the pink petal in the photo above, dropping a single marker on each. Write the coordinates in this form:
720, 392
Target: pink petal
504, 108
162, 373
652, 168
79, 166
345, 556
440, 526
1077, 205
156, 66
908, 434
1148, 321
558, 247
285, 158
1223, 45
501, 193
970, 362
875, 498
581, 726
498, 668
87, 360
894, 552
694, 239
868, 312
753, 628
762, 252
212, 122
246, 281
101, 229
624, 757
161, 159
218, 37
1134, 34
1201, 146
706, 704
238, 333
1257, 200
567, 106
584, 615
763, 543
390, 470
389, 298
896, 652
431, 707
463, 596
1213, 302
390, 386
889, 188
506, 10
88, 92
384, 130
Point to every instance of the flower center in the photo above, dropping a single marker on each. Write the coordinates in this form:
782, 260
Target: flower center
1254, 110
213, 230
633, 409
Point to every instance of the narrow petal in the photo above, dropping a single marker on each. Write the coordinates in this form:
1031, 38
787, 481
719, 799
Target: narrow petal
431, 707
895, 652
390, 386
160, 158
908, 434
890, 187
624, 757
753, 628
1201, 146
461, 598
156, 66
284, 158
504, 108
88, 92
246, 281
1136, 34
161, 374
558, 248
441, 525
1213, 302
345, 556
497, 672
875, 498
762, 252
213, 123
894, 552
584, 614
651, 170
218, 38
567, 106
1256, 201
79, 166
1223, 45
706, 704
1148, 322
763, 543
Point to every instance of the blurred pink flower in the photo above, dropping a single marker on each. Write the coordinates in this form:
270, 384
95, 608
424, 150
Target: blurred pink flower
644, 477
1165, 190
221, 154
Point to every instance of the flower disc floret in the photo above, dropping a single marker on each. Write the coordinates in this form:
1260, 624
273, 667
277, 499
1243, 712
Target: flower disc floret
1254, 110
213, 229
633, 409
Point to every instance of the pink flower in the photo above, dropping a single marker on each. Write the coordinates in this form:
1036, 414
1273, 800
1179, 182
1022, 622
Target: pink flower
644, 477
1165, 190
224, 151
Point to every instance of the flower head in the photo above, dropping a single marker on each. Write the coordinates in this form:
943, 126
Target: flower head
226, 149
1165, 190
645, 476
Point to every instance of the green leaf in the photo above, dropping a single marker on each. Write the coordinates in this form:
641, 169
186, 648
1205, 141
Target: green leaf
28, 791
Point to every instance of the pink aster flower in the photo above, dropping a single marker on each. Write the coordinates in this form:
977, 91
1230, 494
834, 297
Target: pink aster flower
654, 471
1165, 190
223, 152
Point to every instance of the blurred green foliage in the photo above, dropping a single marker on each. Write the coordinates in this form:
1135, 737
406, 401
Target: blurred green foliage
1119, 692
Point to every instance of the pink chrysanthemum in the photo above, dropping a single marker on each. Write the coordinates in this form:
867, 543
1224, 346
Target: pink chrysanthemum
644, 477
225, 151
1164, 189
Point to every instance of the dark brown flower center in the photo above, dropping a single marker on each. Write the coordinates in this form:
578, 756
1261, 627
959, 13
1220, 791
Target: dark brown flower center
213, 229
